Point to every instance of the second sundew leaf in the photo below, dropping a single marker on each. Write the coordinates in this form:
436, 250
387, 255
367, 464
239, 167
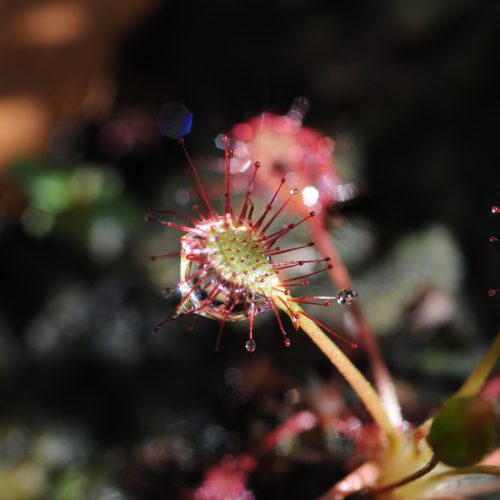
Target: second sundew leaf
463, 431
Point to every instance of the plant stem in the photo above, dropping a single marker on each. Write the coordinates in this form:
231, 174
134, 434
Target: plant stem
341, 279
358, 382
479, 375
491, 470
428, 467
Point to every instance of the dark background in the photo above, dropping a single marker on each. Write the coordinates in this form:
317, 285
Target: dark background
139, 416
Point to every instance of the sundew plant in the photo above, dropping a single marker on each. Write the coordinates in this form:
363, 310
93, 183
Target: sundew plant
232, 268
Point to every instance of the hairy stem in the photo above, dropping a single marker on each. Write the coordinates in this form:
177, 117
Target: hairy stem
358, 382
479, 375
341, 279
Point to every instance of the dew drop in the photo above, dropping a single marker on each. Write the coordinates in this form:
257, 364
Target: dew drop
222, 141
346, 296
493, 239
250, 345
287, 342
495, 209
294, 191
491, 293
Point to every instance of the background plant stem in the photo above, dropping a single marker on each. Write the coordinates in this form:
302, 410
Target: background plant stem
341, 279
477, 378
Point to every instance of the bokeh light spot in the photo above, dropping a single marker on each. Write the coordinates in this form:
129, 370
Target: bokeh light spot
175, 120
310, 195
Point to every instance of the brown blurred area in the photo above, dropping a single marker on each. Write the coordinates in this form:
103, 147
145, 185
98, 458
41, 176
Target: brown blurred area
55, 60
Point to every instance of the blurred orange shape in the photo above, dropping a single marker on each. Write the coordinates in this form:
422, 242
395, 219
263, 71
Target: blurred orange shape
24, 125
54, 23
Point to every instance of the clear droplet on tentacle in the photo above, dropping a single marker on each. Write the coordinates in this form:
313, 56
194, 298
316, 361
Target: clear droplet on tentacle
223, 140
495, 209
250, 345
347, 296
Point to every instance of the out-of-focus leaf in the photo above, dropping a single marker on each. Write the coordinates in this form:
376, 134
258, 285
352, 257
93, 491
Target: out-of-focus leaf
463, 431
